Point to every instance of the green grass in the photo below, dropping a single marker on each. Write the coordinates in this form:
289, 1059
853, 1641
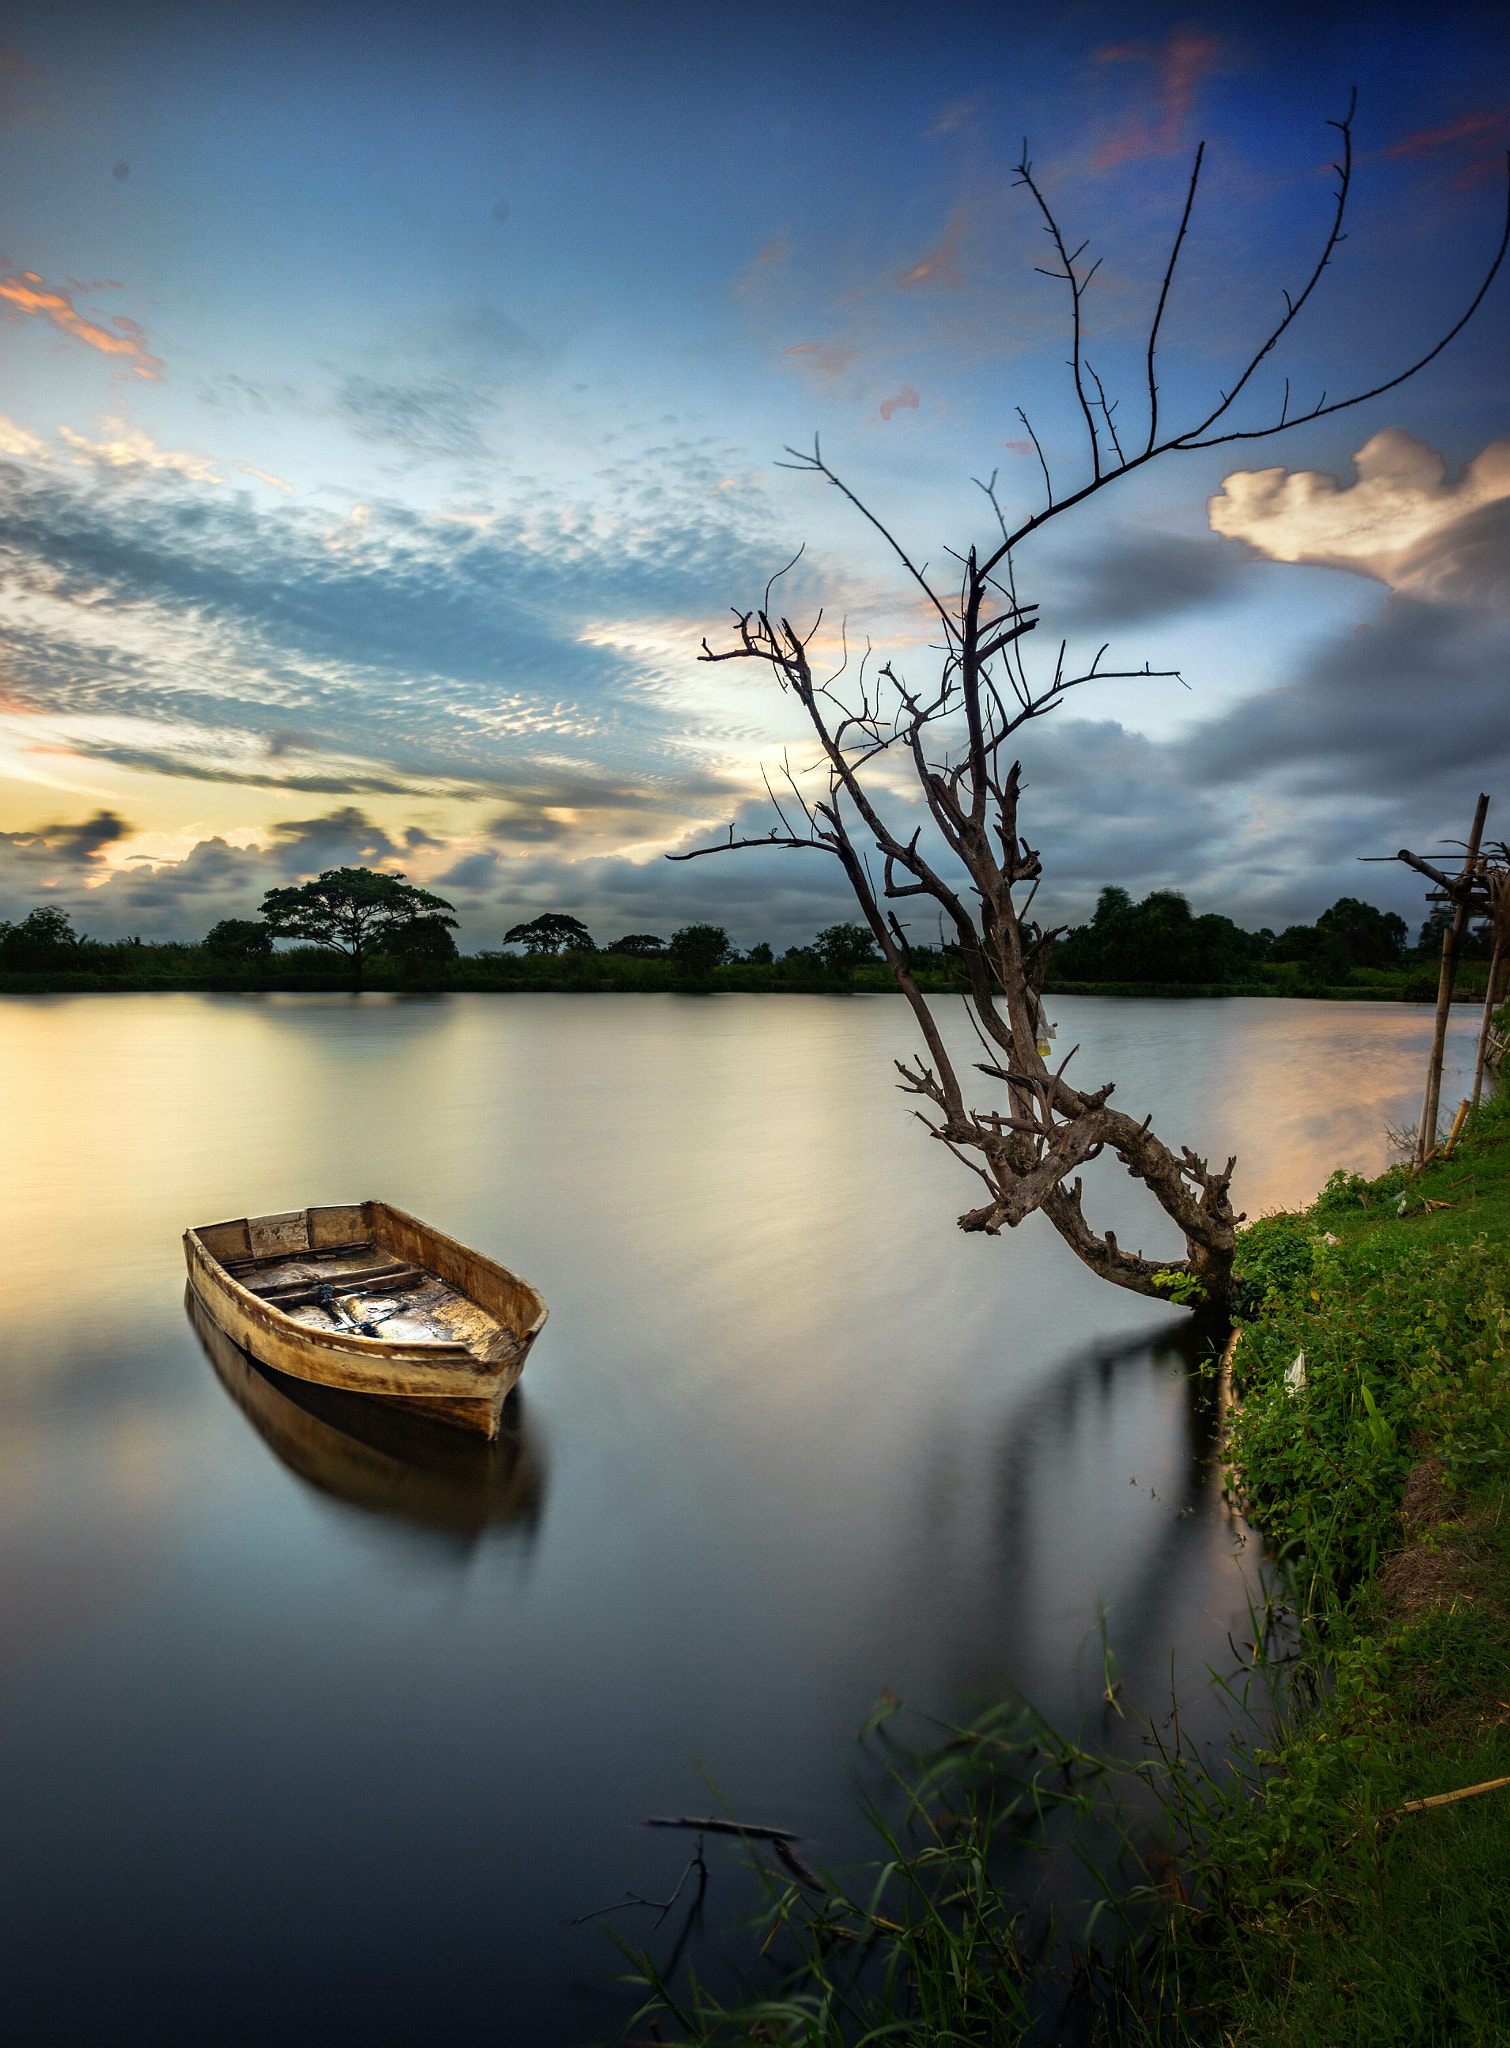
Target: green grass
1328, 1921
1339, 1924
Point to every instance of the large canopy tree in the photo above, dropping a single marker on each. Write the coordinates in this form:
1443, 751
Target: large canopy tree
354, 911
968, 861
552, 932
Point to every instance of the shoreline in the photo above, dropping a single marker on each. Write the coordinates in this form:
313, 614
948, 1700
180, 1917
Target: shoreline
726, 981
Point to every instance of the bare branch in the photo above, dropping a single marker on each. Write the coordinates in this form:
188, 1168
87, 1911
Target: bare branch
1153, 332
1029, 1149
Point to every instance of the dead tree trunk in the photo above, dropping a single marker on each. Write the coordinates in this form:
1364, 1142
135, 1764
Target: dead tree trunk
968, 861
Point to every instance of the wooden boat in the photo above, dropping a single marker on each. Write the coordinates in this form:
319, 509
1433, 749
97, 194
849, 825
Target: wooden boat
363, 1297
379, 1458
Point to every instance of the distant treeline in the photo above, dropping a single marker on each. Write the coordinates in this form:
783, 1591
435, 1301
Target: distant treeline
1156, 946
1351, 949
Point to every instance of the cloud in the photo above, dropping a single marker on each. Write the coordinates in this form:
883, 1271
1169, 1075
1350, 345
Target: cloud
1403, 520
19, 80
1391, 712
185, 767
79, 845
1136, 577
441, 417
190, 633
344, 838
900, 401
266, 476
954, 114
757, 895
1483, 130
1158, 130
126, 447
528, 827
829, 358
24, 295
16, 440
476, 871
940, 265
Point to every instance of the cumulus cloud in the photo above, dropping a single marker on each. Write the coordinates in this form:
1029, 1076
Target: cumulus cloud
69, 865
756, 896
1402, 519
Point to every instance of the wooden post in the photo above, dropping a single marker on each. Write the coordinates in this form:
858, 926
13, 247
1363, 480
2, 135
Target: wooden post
1478, 1065
1452, 941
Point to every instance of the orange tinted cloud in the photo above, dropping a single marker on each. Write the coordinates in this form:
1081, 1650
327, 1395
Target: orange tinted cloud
23, 294
1481, 127
940, 265
761, 266
16, 76
1156, 128
1479, 130
829, 357
905, 400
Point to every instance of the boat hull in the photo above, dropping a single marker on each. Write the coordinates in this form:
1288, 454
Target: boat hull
495, 1316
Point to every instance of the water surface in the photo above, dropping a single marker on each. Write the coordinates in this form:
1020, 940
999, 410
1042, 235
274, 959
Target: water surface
310, 1730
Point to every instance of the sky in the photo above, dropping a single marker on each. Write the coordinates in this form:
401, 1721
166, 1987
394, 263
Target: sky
392, 399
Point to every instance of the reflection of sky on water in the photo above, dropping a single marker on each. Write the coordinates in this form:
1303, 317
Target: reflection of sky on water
792, 1437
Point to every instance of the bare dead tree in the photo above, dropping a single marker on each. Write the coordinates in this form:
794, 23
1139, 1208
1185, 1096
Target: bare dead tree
956, 734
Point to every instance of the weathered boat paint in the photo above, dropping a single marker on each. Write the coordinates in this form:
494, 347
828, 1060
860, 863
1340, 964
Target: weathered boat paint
478, 1320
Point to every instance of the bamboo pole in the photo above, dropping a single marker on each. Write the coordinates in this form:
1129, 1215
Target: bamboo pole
1488, 1017
1452, 942
1498, 882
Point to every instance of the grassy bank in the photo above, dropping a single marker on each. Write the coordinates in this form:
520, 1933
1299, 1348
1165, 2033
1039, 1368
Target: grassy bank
1301, 1895
1380, 1474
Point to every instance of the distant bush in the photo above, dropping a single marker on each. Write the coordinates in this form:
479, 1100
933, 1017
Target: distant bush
844, 947
698, 948
239, 938
44, 938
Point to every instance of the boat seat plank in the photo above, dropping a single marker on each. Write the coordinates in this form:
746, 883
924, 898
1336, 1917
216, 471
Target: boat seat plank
364, 1279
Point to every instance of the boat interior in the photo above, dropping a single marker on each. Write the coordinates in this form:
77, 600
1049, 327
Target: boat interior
357, 1286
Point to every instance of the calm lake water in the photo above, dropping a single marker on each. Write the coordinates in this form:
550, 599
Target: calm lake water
313, 1734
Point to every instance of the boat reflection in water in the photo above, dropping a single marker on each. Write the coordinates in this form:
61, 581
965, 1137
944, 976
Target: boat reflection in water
354, 1448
